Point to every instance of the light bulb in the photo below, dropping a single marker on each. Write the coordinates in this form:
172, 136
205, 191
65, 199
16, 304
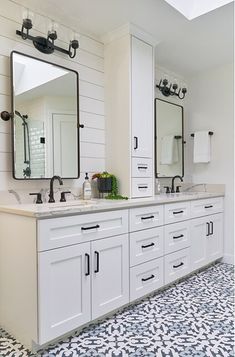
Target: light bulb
27, 14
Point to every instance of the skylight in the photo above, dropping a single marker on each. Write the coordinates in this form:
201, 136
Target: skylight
194, 8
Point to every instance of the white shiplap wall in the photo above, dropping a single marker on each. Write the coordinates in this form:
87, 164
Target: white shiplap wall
90, 65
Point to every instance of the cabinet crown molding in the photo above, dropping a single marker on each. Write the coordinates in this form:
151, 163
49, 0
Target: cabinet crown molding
129, 29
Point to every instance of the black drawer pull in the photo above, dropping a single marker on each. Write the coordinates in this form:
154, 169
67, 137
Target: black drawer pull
179, 265
93, 227
88, 264
97, 262
148, 245
149, 217
146, 279
177, 237
178, 212
207, 229
136, 143
142, 187
210, 206
142, 167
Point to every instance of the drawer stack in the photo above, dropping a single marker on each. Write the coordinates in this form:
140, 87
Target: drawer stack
142, 182
146, 250
176, 240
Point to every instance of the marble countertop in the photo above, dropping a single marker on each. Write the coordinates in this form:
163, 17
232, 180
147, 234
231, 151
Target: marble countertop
72, 207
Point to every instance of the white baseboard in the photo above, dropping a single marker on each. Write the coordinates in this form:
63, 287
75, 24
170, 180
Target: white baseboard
228, 259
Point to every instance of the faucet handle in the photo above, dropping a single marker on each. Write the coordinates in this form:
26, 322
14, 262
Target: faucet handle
62, 197
177, 189
167, 189
39, 196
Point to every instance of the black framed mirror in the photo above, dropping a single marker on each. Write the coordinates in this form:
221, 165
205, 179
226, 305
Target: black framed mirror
45, 126
169, 139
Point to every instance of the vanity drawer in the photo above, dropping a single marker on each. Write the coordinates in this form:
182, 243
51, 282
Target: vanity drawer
145, 278
176, 265
142, 187
142, 167
146, 245
176, 236
146, 217
176, 212
207, 206
59, 232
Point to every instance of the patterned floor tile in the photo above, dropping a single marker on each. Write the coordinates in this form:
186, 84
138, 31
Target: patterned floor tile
193, 318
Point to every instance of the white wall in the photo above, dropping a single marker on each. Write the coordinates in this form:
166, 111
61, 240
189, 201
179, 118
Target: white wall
211, 107
89, 64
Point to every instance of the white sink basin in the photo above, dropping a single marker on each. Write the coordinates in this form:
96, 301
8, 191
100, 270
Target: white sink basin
68, 204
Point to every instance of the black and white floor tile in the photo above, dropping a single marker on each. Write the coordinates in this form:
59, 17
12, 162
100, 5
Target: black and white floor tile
193, 318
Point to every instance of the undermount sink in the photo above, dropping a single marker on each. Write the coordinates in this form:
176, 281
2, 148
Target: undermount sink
69, 204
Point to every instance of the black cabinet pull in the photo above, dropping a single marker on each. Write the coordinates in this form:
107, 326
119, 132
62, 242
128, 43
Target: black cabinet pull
210, 206
142, 167
136, 142
148, 245
88, 264
178, 212
149, 217
212, 228
179, 265
146, 279
93, 227
177, 237
97, 262
142, 186
208, 229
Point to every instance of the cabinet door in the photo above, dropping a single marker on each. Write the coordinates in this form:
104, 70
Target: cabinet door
215, 238
63, 290
198, 231
142, 85
110, 274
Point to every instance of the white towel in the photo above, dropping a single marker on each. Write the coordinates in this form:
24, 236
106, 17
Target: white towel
202, 147
169, 150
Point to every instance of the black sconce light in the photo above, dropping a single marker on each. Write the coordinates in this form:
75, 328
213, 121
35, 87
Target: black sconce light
171, 89
46, 44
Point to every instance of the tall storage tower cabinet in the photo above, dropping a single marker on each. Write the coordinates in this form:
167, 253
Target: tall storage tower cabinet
129, 102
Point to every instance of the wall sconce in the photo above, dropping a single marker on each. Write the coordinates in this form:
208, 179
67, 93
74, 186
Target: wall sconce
45, 44
171, 89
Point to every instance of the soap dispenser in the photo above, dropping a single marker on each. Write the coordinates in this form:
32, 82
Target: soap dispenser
87, 188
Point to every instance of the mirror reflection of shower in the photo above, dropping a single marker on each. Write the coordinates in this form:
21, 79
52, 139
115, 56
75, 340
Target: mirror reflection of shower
26, 142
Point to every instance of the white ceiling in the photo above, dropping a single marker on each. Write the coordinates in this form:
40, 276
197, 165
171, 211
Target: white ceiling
186, 47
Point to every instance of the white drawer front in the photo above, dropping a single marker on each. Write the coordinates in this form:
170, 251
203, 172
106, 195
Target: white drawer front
176, 236
207, 206
142, 167
146, 217
176, 212
59, 232
142, 187
145, 278
176, 265
146, 245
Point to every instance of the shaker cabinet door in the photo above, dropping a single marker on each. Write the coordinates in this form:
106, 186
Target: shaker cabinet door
110, 274
198, 231
64, 290
215, 239
142, 99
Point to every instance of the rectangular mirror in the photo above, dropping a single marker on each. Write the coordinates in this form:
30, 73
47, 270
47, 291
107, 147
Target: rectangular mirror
45, 126
169, 139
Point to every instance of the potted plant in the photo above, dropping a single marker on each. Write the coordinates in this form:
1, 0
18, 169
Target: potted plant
107, 183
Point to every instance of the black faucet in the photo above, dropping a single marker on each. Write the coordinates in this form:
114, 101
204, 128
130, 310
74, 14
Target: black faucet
173, 183
51, 194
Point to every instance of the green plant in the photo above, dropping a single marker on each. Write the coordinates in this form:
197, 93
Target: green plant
113, 195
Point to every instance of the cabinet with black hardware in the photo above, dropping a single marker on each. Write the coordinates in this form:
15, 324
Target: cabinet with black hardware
206, 240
